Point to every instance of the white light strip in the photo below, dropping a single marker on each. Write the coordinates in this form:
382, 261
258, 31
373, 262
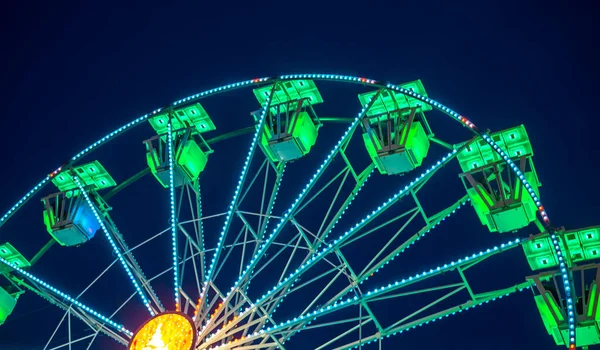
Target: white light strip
114, 246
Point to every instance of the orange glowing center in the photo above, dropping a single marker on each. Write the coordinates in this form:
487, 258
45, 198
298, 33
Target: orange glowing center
165, 332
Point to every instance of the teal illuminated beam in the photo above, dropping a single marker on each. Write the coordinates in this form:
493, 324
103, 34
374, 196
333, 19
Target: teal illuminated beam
324, 234
173, 216
370, 271
436, 220
348, 234
330, 77
345, 238
290, 212
265, 224
68, 298
391, 331
142, 295
378, 292
236, 195
119, 131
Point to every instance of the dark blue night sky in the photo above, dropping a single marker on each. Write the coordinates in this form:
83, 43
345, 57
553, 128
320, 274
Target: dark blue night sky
74, 72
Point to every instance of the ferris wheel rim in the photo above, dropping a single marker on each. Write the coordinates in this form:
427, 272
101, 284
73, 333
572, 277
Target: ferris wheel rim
249, 83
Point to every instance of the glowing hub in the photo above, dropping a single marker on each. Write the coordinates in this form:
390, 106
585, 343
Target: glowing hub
168, 331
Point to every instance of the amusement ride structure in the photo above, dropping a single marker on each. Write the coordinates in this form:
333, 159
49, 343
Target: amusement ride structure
302, 261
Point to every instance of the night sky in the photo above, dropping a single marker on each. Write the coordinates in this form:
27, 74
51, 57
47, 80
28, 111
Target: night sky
74, 72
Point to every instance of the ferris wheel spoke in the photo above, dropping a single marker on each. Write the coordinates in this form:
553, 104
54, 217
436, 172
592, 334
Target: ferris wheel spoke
283, 247
395, 290
238, 192
236, 242
192, 191
307, 195
340, 241
359, 323
76, 341
304, 273
192, 229
247, 188
114, 237
173, 214
89, 316
253, 224
274, 298
433, 317
265, 212
460, 267
266, 309
263, 221
337, 270
408, 321
133, 264
374, 265
254, 217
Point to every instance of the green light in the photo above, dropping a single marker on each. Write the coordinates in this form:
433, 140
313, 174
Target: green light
402, 159
294, 142
190, 159
582, 245
7, 305
8, 300
289, 91
12, 255
190, 116
91, 174
513, 141
514, 208
391, 100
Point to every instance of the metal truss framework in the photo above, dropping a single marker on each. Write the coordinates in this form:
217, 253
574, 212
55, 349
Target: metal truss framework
234, 318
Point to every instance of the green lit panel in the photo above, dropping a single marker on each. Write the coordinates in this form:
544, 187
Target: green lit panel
514, 141
289, 91
189, 116
540, 253
517, 141
12, 255
391, 100
582, 245
417, 143
7, 305
303, 133
505, 219
586, 334
481, 205
401, 160
153, 160
92, 174
550, 323
573, 243
519, 215
264, 142
191, 159
590, 242
477, 154
509, 218
593, 302
530, 206
49, 222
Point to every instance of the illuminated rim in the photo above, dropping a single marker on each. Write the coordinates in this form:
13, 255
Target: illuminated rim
565, 271
182, 315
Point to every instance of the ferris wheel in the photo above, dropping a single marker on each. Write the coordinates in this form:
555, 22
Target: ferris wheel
180, 254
